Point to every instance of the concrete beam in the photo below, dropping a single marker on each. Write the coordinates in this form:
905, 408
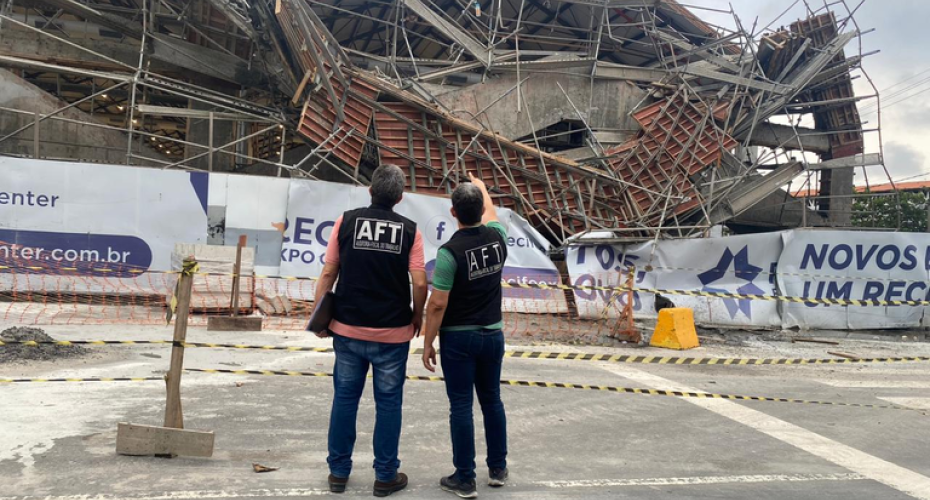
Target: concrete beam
149, 109
863, 160
745, 197
170, 56
703, 72
693, 50
124, 26
632, 73
615, 4
456, 34
776, 211
773, 135
204, 60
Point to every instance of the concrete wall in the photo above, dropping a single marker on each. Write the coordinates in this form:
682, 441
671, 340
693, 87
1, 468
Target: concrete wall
605, 105
58, 139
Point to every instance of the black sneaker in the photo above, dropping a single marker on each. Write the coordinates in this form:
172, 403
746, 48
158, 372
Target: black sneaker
460, 488
498, 477
337, 484
383, 489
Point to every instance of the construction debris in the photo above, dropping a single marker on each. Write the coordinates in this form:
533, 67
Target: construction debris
629, 119
259, 468
13, 352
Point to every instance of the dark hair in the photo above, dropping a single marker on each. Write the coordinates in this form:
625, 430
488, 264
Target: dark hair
467, 200
387, 185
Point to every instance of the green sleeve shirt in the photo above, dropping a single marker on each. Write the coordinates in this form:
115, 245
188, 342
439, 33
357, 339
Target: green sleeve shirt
444, 276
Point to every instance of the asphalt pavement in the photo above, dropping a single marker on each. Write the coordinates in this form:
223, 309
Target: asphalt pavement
57, 440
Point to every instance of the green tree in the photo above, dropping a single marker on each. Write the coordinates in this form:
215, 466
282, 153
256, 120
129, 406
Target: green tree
883, 211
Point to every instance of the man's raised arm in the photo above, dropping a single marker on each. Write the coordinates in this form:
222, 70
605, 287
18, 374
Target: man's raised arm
490, 211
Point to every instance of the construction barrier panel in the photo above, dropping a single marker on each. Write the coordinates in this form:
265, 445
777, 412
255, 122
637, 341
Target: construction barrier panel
83, 252
811, 279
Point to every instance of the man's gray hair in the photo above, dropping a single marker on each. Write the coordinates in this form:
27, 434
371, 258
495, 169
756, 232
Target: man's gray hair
468, 202
387, 185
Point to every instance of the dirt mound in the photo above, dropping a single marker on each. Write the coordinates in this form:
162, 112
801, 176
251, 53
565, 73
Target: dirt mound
15, 352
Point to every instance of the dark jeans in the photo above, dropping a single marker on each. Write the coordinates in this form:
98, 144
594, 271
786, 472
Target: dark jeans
471, 362
389, 364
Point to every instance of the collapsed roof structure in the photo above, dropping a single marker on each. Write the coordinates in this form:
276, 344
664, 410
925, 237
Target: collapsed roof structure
628, 118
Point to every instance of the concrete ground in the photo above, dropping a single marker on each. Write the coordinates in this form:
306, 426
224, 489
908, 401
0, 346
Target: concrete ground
58, 440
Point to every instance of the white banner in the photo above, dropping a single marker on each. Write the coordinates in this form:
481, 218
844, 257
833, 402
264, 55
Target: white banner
314, 206
91, 220
737, 264
854, 265
99, 222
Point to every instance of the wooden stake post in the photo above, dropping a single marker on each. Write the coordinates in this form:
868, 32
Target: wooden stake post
237, 270
170, 440
174, 418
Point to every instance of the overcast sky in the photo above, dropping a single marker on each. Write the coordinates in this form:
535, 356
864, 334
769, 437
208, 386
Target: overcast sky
904, 61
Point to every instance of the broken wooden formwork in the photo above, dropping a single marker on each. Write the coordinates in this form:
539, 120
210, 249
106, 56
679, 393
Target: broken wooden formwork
635, 117
707, 93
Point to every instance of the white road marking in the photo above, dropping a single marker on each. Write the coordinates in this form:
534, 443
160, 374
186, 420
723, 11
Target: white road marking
916, 403
887, 473
694, 481
877, 384
189, 495
297, 493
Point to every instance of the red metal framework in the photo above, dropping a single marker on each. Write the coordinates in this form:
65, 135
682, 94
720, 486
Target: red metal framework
678, 140
346, 139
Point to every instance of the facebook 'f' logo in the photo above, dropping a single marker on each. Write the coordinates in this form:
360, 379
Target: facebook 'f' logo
441, 228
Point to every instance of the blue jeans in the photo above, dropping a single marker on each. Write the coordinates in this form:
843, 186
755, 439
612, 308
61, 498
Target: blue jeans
471, 362
389, 364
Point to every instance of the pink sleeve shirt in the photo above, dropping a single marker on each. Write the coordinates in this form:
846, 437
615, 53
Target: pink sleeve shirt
396, 335
417, 259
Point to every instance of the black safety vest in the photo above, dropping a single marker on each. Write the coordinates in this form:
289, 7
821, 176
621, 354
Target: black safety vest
374, 262
475, 298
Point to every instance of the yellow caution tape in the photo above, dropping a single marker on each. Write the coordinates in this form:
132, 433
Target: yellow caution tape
68, 379
564, 385
546, 286
568, 356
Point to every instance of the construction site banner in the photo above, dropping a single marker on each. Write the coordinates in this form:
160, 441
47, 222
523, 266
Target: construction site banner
96, 221
314, 206
737, 264
854, 265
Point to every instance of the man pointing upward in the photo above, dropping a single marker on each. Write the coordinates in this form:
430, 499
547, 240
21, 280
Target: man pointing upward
465, 311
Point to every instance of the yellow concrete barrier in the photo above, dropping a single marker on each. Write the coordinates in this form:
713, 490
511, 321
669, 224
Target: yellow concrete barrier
675, 329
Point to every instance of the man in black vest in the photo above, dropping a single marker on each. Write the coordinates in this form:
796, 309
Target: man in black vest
465, 310
375, 253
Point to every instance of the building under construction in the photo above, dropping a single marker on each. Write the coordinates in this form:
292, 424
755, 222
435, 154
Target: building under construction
628, 119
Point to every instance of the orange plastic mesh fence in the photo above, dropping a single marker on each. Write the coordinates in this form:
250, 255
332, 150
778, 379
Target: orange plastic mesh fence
87, 295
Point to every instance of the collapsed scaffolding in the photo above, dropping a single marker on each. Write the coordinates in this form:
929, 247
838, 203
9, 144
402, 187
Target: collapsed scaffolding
617, 120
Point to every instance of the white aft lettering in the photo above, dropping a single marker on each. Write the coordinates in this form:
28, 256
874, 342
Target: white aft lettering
378, 235
484, 261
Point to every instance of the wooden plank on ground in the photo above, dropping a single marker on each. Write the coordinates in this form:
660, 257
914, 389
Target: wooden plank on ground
234, 324
145, 440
